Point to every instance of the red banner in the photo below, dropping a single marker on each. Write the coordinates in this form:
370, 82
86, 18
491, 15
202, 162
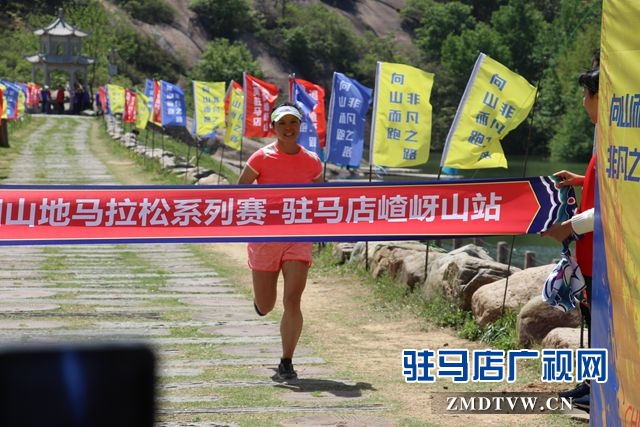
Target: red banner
129, 106
259, 99
321, 212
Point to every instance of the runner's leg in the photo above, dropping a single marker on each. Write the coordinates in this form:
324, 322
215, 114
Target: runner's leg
295, 280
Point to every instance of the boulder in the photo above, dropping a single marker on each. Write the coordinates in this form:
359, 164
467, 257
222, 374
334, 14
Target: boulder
342, 251
537, 319
486, 303
460, 273
402, 261
564, 338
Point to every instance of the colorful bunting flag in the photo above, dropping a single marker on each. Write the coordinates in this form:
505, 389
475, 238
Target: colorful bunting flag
174, 107
129, 106
208, 106
259, 100
234, 107
143, 112
102, 93
401, 125
318, 115
308, 137
156, 117
495, 101
115, 99
10, 94
348, 107
33, 95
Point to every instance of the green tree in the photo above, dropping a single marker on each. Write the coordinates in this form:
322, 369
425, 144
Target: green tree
224, 18
323, 45
223, 61
433, 22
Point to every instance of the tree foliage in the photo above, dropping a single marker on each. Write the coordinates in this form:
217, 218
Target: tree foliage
223, 61
150, 11
224, 18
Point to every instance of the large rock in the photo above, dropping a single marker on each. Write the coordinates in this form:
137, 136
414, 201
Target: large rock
564, 338
537, 319
460, 273
342, 251
487, 302
402, 261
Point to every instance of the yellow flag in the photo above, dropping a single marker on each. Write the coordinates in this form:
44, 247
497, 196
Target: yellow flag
115, 95
208, 105
401, 128
616, 270
235, 117
22, 102
494, 103
143, 113
3, 102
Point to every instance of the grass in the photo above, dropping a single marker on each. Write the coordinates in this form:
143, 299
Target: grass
393, 297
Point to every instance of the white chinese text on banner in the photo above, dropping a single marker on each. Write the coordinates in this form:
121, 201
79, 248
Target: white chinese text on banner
259, 100
495, 101
401, 126
348, 106
234, 107
208, 106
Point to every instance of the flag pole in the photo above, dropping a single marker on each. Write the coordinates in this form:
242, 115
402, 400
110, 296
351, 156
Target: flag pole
371, 149
327, 147
244, 113
524, 174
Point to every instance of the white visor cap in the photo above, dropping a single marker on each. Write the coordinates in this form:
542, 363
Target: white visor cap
285, 110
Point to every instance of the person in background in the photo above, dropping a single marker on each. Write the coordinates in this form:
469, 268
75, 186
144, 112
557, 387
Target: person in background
283, 161
581, 225
60, 100
45, 100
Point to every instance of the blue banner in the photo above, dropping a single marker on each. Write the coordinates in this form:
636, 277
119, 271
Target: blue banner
308, 137
348, 108
148, 92
174, 109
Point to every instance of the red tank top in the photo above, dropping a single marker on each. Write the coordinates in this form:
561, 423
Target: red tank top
584, 246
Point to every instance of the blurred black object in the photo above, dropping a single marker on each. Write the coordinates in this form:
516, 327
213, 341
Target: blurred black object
77, 386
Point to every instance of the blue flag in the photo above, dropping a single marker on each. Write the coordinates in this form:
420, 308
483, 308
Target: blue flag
148, 92
308, 137
174, 109
348, 107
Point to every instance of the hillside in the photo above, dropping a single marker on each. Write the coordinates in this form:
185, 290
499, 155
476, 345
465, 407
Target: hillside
186, 39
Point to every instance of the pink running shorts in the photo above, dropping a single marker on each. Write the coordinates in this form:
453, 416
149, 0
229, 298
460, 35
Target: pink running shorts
269, 256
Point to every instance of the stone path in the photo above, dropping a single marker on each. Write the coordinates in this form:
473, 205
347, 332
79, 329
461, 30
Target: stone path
208, 343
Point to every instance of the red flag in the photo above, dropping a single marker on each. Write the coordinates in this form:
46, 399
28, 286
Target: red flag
129, 106
259, 99
102, 93
157, 103
318, 116
33, 95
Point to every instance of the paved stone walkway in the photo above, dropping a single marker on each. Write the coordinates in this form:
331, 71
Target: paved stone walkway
202, 329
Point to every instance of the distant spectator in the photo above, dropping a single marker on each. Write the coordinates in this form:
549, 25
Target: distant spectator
45, 99
99, 110
60, 100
